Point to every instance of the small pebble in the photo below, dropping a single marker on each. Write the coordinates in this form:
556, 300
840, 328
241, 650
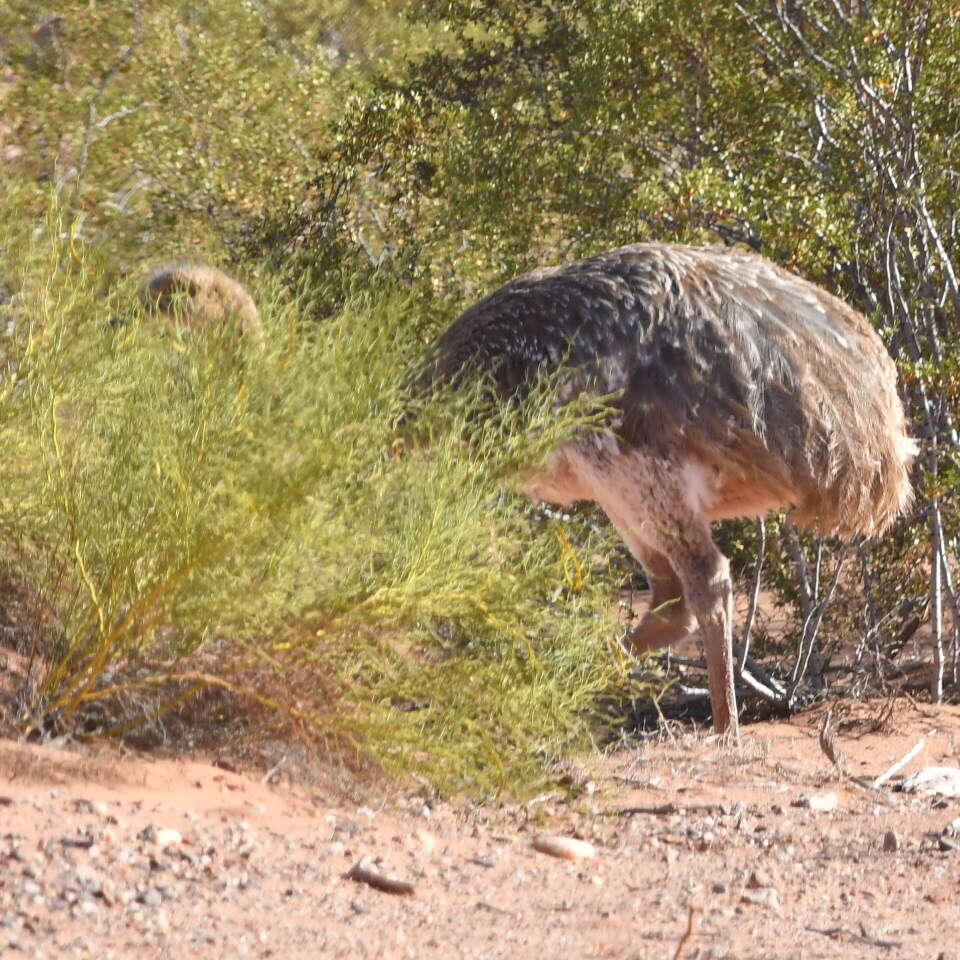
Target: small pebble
426, 839
891, 842
567, 848
151, 897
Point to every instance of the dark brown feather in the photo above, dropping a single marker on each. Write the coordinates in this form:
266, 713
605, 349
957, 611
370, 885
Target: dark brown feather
716, 353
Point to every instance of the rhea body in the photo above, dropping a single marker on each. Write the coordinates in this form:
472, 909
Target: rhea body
739, 388
199, 297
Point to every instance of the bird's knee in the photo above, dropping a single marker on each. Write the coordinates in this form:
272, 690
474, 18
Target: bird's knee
664, 624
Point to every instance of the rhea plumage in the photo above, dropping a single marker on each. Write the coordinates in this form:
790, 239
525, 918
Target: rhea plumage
739, 388
196, 296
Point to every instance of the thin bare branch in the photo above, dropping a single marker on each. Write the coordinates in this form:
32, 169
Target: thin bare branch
754, 595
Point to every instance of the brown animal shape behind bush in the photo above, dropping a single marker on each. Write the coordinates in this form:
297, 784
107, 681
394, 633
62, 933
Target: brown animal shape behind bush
199, 297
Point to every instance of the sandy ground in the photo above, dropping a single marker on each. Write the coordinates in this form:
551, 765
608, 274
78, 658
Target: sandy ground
107, 854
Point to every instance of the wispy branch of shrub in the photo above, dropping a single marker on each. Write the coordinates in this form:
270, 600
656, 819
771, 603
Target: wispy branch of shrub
211, 515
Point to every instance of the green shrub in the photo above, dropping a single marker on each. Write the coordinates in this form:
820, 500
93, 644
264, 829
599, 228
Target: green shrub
206, 514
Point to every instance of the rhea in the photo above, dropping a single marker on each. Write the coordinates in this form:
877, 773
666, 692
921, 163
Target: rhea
738, 388
198, 297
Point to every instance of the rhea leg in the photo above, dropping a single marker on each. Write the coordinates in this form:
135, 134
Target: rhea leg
669, 618
705, 573
648, 502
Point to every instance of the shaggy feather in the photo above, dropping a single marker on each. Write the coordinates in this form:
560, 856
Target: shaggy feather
717, 356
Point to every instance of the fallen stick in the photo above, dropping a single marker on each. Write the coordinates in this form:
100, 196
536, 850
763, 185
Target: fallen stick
567, 848
752, 676
688, 933
268, 776
835, 933
379, 881
900, 764
665, 809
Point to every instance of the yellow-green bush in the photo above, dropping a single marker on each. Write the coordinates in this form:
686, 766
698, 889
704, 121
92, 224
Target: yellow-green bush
203, 513
180, 513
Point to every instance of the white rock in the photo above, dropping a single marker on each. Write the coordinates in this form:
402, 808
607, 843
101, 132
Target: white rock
952, 829
168, 837
764, 897
821, 802
935, 781
567, 848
